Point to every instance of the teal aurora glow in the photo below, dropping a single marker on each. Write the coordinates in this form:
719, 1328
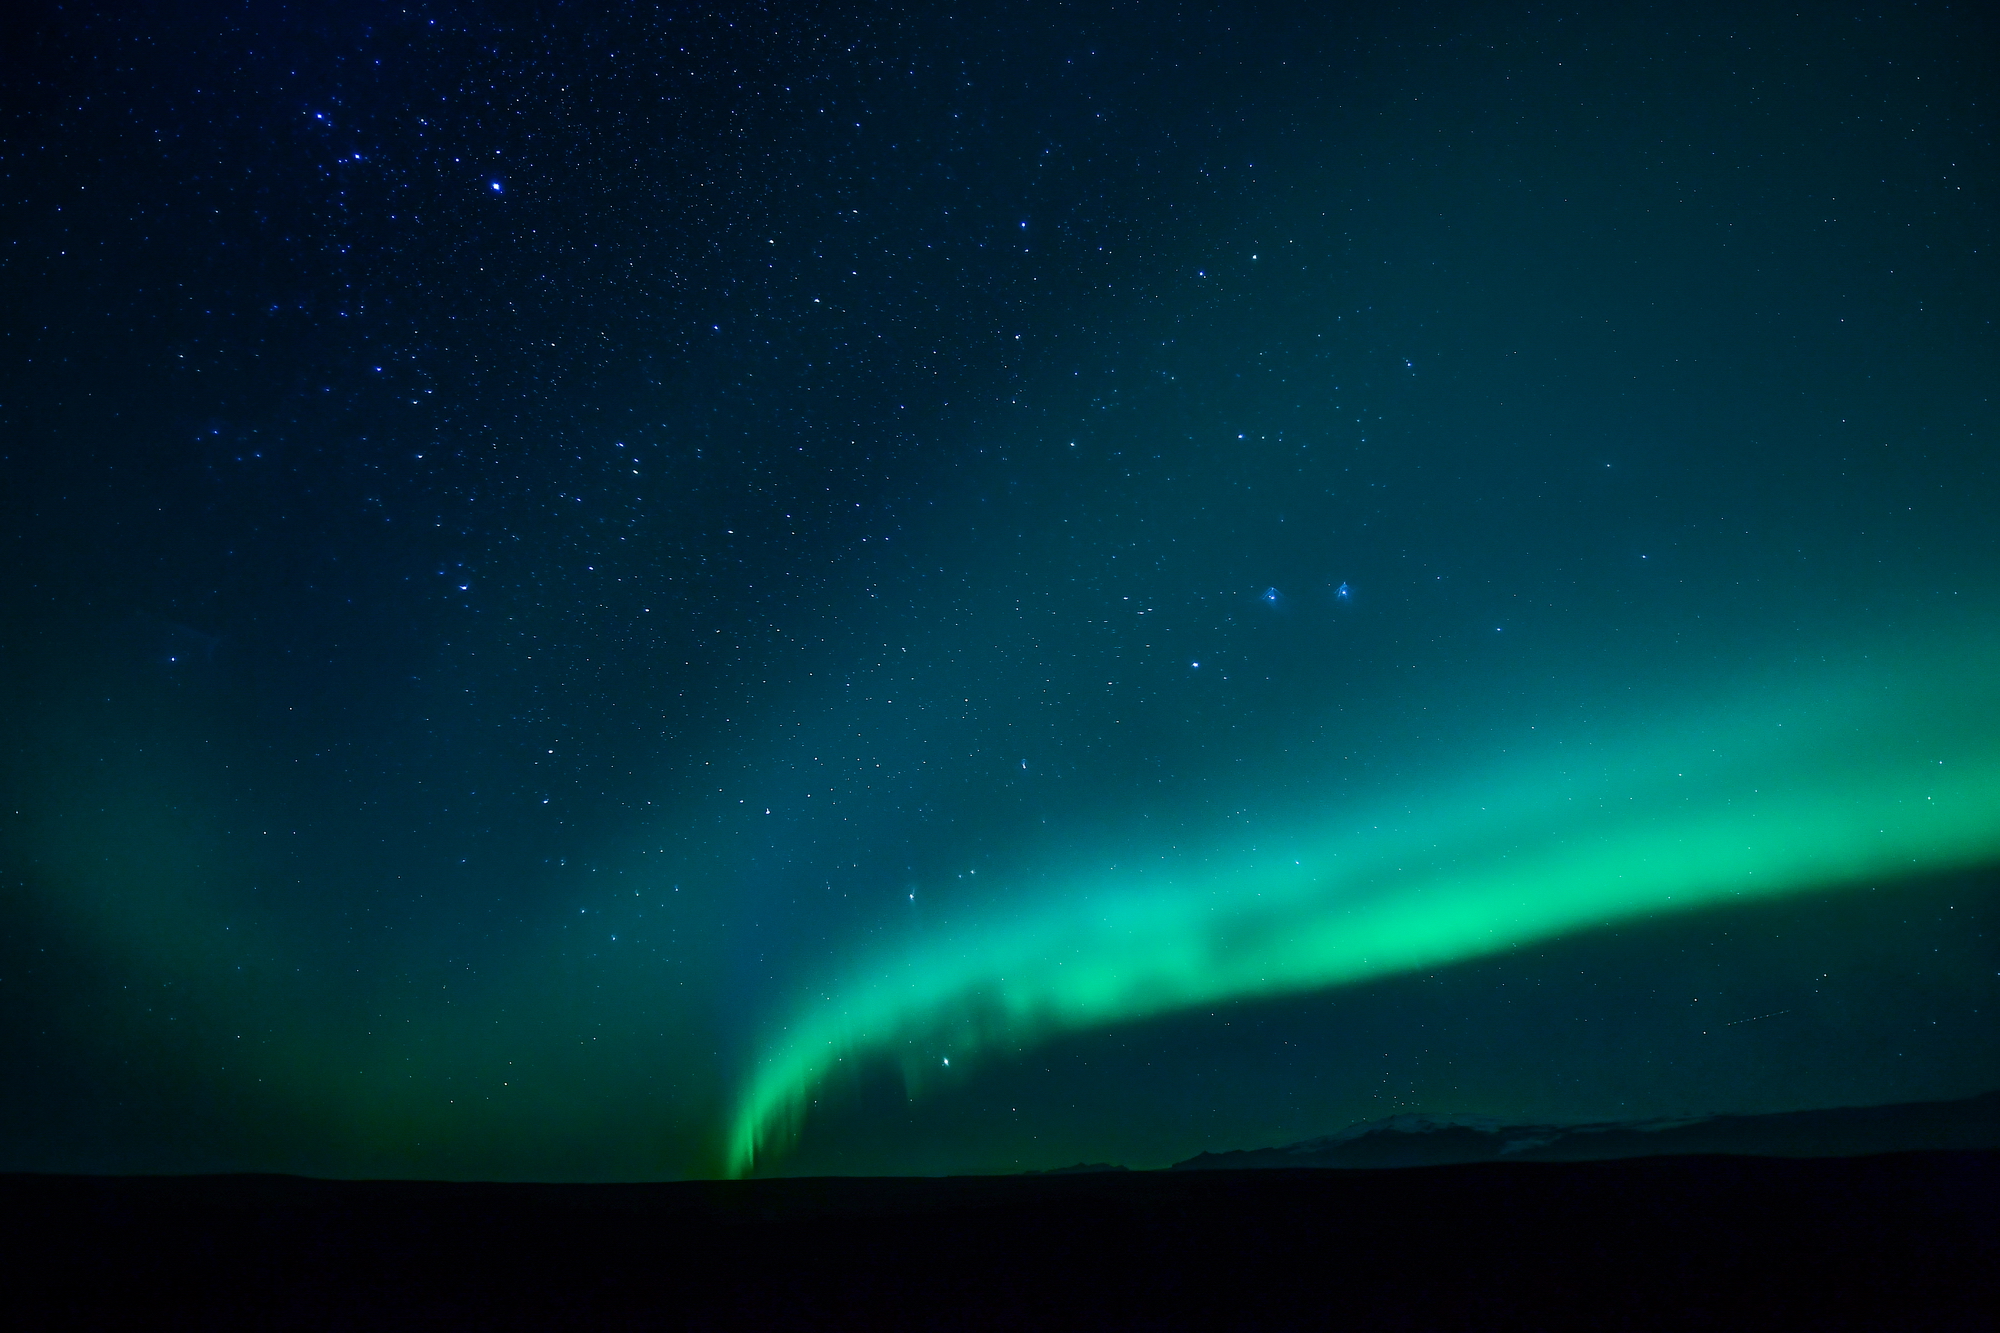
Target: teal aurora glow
1891, 772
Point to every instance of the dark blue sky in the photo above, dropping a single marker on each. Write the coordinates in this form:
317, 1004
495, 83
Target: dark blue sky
547, 551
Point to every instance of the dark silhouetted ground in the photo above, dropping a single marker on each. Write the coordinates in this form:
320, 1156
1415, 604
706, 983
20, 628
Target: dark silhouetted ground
1907, 1240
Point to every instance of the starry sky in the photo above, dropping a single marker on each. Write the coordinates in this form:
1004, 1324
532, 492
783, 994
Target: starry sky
657, 591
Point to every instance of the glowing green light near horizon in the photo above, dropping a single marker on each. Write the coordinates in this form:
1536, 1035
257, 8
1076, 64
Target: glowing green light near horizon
1878, 773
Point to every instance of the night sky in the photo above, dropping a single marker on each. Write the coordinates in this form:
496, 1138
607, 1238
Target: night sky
842, 588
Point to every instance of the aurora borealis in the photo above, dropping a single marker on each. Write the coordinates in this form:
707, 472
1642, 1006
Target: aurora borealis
1864, 785
837, 589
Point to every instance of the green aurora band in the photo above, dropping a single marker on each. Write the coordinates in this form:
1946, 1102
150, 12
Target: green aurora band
1808, 783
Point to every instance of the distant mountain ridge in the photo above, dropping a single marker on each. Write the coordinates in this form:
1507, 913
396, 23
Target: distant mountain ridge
1972, 1123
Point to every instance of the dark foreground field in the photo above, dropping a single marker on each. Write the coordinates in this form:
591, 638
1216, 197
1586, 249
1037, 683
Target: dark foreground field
1898, 1241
